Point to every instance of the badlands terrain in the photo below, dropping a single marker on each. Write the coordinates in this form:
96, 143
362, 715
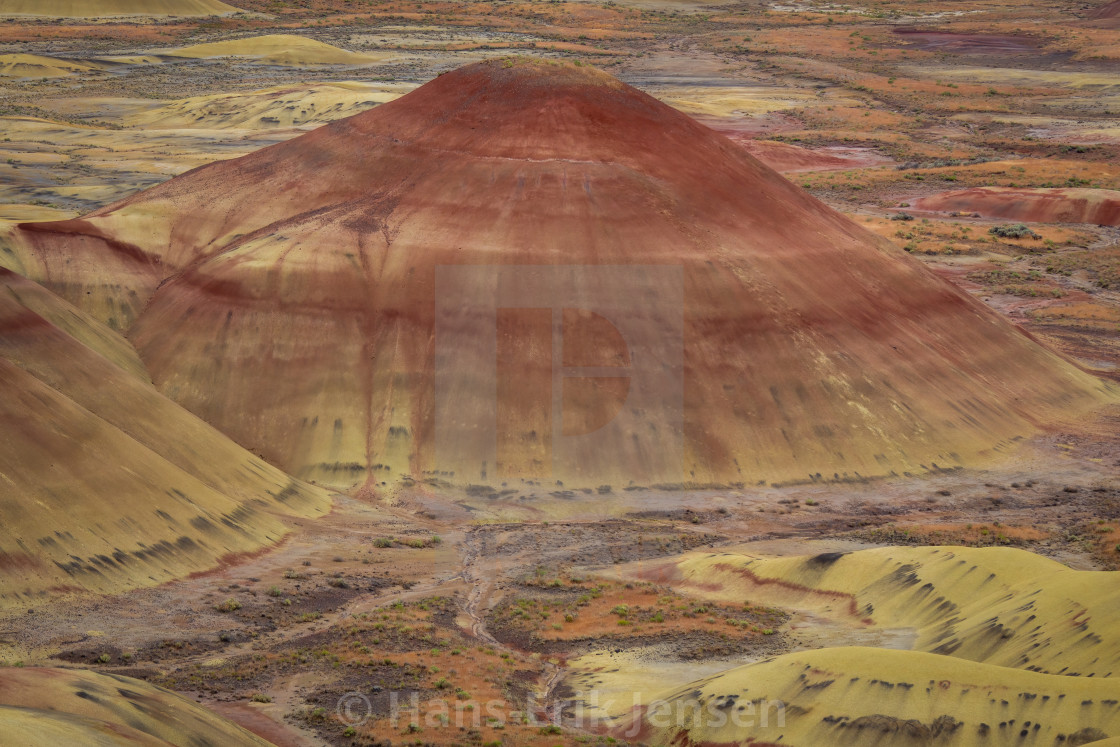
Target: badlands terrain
651, 372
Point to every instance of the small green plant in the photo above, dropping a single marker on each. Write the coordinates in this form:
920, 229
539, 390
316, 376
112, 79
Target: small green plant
230, 605
261, 698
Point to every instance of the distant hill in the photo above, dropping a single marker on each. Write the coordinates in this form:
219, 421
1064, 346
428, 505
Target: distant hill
277, 49
37, 66
102, 8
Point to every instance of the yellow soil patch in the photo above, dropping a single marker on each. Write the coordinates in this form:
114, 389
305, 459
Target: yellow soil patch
277, 49
1001, 606
24, 212
993, 631
866, 696
948, 236
1023, 172
102, 8
277, 107
37, 66
49, 707
1087, 314
726, 101
1016, 77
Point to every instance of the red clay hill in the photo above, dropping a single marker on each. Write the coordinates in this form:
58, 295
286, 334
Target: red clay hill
289, 298
1108, 11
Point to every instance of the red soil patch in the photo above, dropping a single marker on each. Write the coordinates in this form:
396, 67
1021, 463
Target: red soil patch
1107, 11
252, 719
1098, 206
789, 158
19, 562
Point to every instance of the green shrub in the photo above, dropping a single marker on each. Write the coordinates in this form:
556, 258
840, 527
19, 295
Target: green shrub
230, 605
1013, 231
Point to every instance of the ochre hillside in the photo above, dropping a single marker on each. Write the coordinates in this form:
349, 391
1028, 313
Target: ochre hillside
49, 707
275, 49
38, 66
1009, 648
858, 696
995, 605
106, 8
288, 297
105, 484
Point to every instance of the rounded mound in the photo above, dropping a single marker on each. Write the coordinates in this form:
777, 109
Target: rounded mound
963, 602
37, 66
771, 338
275, 49
42, 707
851, 697
1002, 638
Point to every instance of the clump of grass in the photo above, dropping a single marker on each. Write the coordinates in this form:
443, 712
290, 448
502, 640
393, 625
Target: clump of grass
230, 605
